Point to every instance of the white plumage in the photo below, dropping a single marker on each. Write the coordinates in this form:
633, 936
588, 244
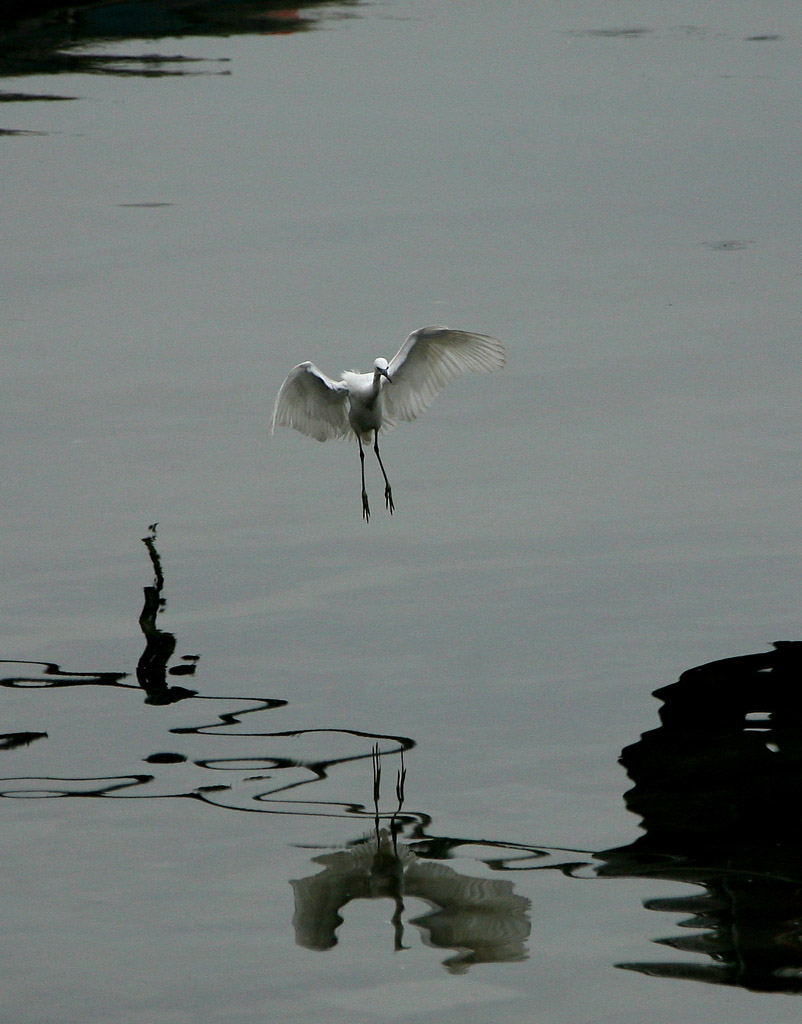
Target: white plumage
362, 403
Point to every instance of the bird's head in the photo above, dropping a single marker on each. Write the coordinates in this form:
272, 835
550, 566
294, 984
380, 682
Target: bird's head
381, 367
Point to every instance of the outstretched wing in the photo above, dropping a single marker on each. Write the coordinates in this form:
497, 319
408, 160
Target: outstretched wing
427, 361
313, 403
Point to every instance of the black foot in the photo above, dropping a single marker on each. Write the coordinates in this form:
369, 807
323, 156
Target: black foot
365, 508
388, 500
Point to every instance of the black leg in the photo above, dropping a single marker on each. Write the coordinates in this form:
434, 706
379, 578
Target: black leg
365, 505
388, 491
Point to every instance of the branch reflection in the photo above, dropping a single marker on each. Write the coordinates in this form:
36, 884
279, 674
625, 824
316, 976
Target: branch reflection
151, 670
259, 783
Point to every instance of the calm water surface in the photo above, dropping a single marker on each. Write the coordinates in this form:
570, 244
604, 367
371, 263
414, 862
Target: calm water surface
193, 825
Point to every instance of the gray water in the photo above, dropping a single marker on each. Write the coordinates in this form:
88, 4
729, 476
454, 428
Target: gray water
613, 193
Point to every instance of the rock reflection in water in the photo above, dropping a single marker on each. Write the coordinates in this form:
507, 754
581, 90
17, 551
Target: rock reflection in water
718, 789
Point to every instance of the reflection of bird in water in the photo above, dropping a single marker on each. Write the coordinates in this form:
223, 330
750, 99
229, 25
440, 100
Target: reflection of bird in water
718, 787
361, 403
483, 918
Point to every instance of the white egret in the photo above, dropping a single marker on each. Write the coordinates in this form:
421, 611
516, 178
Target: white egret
362, 403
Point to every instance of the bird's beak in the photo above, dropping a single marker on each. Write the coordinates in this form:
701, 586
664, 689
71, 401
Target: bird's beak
384, 373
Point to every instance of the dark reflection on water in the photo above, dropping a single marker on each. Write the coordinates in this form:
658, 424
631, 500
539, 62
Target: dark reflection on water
482, 920
12, 740
718, 788
626, 32
50, 43
247, 773
151, 670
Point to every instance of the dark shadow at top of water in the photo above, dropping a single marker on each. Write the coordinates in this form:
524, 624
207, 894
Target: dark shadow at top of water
49, 41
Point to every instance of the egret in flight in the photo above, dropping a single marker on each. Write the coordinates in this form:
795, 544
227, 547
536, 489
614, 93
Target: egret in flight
363, 403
